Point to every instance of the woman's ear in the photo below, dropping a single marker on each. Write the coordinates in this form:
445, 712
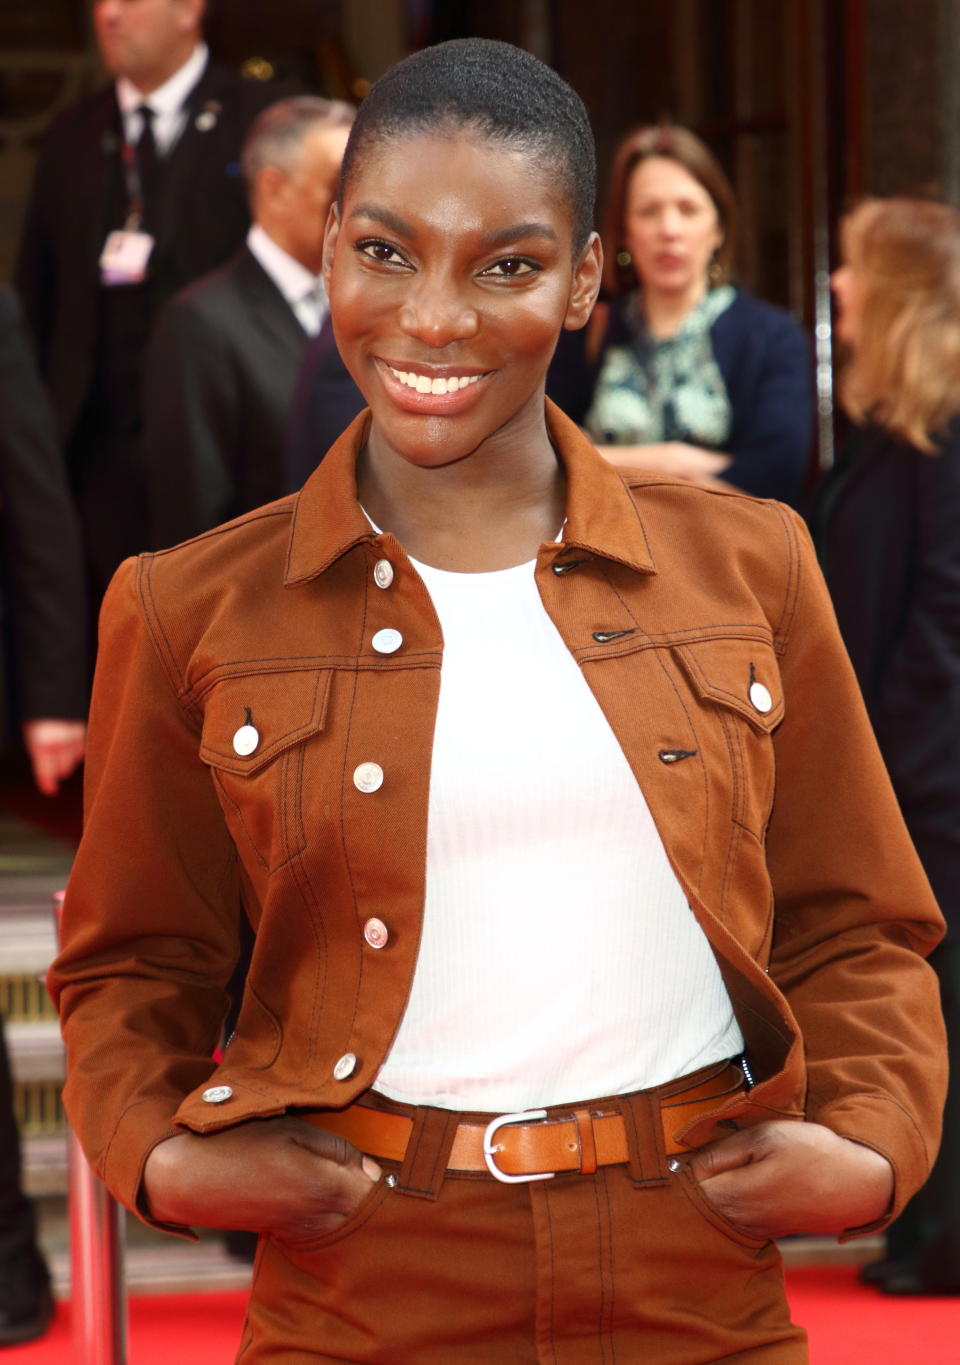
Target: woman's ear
330, 235
587, 275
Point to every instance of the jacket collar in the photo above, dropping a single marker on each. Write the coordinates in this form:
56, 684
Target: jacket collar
602, 517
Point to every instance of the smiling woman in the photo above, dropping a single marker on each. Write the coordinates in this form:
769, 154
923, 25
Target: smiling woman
515, 767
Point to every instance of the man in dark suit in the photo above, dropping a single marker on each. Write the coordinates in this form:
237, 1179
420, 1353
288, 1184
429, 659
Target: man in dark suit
43, 602
148, 167
225, 352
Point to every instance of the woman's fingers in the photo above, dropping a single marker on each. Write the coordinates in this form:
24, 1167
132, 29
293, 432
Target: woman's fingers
781, 1178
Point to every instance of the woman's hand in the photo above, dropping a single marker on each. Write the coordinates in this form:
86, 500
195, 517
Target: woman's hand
669, 457
782, 1177
282, 1176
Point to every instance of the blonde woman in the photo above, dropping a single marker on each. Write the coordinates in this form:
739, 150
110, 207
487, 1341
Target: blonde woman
888, 523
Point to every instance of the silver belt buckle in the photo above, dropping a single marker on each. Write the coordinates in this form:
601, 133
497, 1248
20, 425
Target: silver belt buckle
490, 1148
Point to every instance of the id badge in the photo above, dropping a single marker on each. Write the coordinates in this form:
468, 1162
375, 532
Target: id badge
124, 257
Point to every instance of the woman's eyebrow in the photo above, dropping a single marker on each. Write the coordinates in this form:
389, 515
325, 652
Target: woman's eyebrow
384, 216
503, 236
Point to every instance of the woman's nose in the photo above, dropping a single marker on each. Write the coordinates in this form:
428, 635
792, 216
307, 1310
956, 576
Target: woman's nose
436, 312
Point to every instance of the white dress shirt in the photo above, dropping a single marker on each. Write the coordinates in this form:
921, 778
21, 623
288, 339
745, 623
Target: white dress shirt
303, 291
168, 102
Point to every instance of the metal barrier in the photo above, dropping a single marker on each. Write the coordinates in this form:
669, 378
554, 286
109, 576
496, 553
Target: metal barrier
97, 1293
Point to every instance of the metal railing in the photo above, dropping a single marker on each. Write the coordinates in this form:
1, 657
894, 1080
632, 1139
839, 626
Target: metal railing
97, 1290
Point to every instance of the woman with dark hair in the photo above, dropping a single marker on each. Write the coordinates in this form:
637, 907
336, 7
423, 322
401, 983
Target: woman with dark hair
516, 767
888, 527
679, 371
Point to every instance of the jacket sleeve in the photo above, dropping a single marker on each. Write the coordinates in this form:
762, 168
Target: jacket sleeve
191, 410
150, 923
854, 914
43, 564
773, 413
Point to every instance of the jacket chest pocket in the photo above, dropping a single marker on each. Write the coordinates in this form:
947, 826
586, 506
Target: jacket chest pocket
255, 728
738, 685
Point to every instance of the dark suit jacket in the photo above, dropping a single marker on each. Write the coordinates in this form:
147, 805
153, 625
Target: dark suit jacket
887, 521
325, 402
78, 196
218, 379
43, 578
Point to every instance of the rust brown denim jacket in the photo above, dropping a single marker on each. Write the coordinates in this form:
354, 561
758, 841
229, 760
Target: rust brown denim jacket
778, 819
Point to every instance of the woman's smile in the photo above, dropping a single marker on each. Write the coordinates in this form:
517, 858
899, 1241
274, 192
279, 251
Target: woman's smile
431, 390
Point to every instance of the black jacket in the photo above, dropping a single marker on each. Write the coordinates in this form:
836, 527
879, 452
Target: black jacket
78, 196
887, 522
43, 587
218, 379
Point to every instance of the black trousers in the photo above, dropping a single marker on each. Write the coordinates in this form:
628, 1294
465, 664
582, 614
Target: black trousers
926, 1236
17, 1219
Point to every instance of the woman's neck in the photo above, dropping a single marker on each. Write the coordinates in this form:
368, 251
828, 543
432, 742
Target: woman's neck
664, 313
489, 510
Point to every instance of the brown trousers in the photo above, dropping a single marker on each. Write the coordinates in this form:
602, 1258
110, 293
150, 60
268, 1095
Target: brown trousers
628, 1265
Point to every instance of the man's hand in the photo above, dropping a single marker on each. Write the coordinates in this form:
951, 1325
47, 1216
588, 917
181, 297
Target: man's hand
780, 1178
280, 1176
55, 747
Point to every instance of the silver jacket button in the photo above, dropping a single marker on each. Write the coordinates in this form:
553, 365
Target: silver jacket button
246, 740
383, 573
387, 641
760, 697
216, 1094
368, 777
376, 933
345, 1067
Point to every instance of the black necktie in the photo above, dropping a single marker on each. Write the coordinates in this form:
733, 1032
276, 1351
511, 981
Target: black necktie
148, 162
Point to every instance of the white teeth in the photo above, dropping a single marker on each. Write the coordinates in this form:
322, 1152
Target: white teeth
422, 383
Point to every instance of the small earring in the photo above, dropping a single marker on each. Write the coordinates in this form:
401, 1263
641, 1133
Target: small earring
715, 272
624, 259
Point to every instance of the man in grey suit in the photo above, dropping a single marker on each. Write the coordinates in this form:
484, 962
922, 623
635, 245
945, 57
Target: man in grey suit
225, 352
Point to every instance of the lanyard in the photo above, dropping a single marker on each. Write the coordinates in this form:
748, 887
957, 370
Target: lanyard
134, 187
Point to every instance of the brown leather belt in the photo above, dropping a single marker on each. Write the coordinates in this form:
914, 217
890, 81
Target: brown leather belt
533, 1144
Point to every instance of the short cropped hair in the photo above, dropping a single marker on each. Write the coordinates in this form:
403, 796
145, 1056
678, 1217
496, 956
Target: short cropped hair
905, 368
502, 92
674, 143
275, 135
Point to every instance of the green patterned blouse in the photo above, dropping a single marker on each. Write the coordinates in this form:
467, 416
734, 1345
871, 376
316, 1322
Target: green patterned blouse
664, 390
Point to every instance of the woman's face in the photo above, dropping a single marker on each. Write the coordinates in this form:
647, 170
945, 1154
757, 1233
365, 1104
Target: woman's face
450, 276
672, 228
848, 294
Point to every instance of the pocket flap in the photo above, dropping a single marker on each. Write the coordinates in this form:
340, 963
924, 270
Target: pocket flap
281, 708
741, 675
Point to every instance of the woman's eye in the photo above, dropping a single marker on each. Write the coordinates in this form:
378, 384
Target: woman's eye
381, 251
511, 268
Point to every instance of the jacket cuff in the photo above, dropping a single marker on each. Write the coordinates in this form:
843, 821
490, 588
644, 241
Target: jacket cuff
878, 1122
141, 1128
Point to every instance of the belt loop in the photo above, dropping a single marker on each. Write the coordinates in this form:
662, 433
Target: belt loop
587, 1140
647, 1160
428, 1151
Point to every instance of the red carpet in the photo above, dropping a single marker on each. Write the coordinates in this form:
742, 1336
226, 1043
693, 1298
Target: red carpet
848, 1325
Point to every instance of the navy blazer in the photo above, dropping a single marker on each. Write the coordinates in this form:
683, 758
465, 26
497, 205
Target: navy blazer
325, 402
765, 358
887, 524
